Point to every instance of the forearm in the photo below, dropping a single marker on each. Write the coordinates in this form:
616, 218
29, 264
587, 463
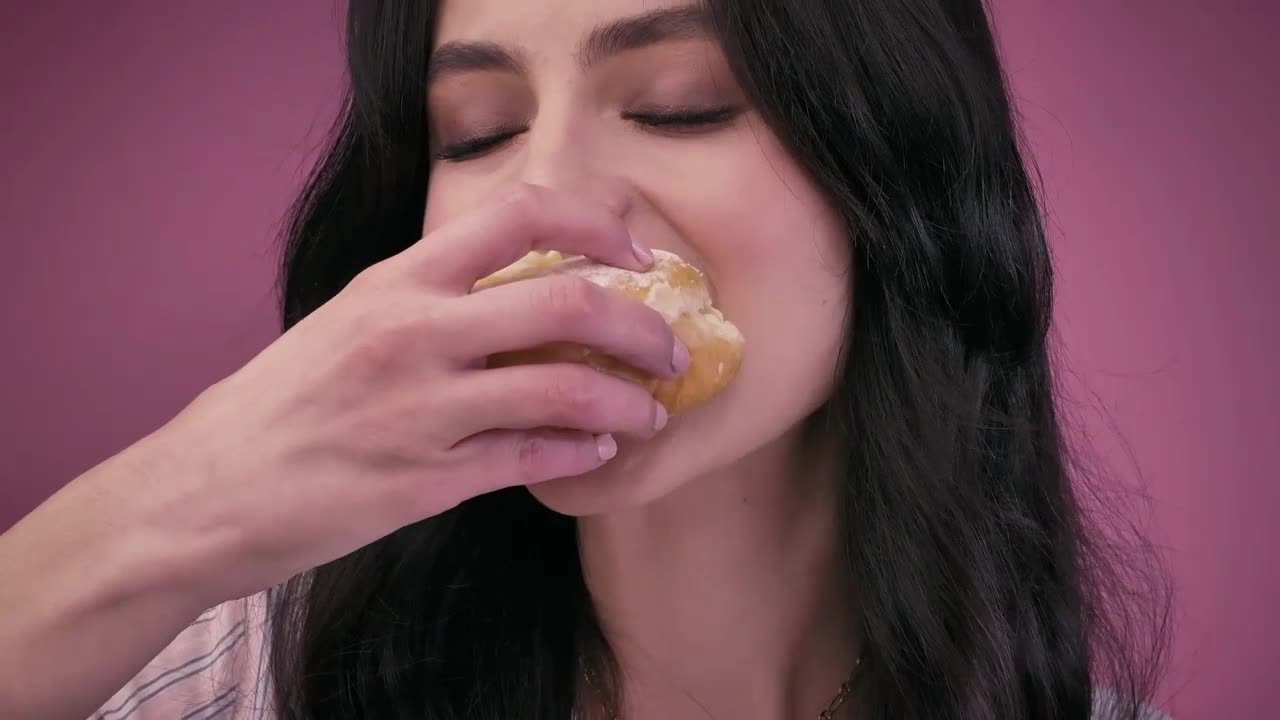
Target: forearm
93, 588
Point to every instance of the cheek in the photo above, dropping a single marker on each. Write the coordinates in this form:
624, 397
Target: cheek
453, 191
781, 260
778, 254
794, 316
755, 219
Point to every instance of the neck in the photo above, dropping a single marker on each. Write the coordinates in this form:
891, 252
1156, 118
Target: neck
726, 598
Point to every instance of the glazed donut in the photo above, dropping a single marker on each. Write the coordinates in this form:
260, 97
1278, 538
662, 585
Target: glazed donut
673, 287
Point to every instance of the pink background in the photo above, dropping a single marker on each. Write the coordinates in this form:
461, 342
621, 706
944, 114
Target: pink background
149, 148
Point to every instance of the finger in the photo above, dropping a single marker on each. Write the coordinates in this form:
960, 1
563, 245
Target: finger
506, 458
552, 395
527, 218
566, 309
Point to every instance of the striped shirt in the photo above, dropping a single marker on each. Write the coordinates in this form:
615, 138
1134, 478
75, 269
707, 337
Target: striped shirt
216, 669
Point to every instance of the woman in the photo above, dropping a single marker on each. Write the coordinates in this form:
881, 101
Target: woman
878, 519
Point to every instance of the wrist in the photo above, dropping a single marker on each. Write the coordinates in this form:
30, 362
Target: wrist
92, 590
162, 544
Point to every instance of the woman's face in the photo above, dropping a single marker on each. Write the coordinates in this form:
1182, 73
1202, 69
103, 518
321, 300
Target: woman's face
631, 103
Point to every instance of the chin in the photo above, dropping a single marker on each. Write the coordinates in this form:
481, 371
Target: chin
739, 431
695, 444
706, 441
641, 473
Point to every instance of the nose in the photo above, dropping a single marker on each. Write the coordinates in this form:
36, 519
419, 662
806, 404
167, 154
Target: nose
566, 159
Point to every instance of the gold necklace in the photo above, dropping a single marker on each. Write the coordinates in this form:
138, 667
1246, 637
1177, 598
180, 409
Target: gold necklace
829, 713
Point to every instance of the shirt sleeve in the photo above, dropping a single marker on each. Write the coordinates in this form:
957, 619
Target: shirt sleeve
215, 669
1107, 705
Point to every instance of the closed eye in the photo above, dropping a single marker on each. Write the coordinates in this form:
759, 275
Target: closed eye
676, 121
684, 119
476, 146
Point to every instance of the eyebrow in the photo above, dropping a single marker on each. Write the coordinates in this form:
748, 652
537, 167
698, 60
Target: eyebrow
641, 31
456, 58
602, 43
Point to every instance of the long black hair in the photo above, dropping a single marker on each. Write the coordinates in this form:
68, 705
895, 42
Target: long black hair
986, 587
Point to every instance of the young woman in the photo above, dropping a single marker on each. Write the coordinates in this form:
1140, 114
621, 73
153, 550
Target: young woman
878, 519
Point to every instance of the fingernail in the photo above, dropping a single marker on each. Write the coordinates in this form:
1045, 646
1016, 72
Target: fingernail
643, 254
679, 357
606, 446
660, 418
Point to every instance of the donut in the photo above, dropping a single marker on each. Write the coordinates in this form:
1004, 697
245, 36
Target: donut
675, 289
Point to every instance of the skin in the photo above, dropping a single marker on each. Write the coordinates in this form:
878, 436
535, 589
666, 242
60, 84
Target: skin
709, 546
351, 425
724, 505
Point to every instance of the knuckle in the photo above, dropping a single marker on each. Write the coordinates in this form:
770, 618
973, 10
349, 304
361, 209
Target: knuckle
524, 202
378, 340
371, 355
428, 318
376, 277
531, 456
527, 213
571, 299
569, 395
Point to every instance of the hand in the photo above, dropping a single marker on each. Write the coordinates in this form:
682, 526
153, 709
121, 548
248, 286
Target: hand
377, 410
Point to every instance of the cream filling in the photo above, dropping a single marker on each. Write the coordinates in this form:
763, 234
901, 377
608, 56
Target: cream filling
672, 304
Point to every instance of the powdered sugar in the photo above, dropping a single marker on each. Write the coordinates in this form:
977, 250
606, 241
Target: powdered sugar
654, 287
